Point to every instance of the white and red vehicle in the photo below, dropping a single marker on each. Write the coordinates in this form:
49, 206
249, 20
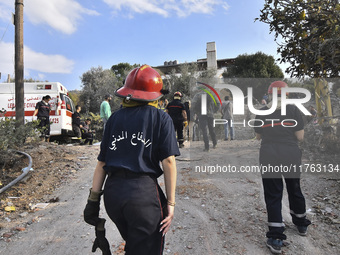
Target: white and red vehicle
62, 106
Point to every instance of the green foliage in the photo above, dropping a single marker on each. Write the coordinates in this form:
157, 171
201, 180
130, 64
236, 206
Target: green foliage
258, 65
12, 137
306, 84
121, 70
247, 70
96, 83
310, 35
75, 97
96, 124
181, 82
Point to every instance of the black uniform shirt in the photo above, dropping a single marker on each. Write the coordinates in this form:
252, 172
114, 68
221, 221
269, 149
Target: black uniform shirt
76, 119
43, 109
137, 139
282, 129
175, 109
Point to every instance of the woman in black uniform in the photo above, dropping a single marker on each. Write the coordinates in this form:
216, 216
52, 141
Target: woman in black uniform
137, 138
279, 148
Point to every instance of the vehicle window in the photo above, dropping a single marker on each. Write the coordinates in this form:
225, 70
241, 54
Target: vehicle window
69, 104
62, 96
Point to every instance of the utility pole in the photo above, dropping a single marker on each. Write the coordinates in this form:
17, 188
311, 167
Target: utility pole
19, 62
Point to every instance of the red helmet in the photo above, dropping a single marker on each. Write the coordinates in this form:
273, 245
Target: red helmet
178, 94
278, 85
142, 84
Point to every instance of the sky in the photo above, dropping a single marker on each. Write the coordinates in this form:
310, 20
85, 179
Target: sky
65, 38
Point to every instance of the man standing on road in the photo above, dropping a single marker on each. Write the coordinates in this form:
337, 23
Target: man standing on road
138, 137
227, 114
105, 110
42, 111
279, 148
178, 114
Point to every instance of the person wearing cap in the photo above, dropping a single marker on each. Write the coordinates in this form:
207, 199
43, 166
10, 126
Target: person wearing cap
138, 137
105, 110
178, 114
280, 135
42, 111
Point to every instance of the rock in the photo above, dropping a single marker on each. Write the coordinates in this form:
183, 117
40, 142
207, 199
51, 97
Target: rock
7, 235
23, 215
328, 209
20, 228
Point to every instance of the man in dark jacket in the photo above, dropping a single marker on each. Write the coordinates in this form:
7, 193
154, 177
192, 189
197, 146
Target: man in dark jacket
76, 126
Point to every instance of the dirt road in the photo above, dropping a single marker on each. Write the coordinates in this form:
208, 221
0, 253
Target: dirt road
216, 213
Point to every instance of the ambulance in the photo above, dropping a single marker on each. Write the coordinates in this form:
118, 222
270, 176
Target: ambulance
62, 106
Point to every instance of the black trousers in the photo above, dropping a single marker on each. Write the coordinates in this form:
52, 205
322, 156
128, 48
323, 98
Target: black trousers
88, 138
45, 126
282, 155
179, 129
205, 123
136, 205
76, 130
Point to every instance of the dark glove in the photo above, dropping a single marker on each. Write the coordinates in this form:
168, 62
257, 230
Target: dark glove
91, 212
100, 241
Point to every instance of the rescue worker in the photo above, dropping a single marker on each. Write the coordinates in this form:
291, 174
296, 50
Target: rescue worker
279, 148
206, 121
86, 131
137, 138
105, 110
42, 111
76, 125
178, 114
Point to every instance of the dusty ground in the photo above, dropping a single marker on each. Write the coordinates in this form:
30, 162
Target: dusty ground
219, 213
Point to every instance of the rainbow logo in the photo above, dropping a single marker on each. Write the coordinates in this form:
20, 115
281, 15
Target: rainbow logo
209, 93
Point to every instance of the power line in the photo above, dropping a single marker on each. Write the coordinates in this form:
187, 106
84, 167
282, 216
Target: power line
5, 31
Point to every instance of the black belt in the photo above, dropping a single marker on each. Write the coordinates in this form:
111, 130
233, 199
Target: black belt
123, 173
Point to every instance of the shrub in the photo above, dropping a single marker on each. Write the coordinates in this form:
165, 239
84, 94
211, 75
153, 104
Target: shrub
12, 137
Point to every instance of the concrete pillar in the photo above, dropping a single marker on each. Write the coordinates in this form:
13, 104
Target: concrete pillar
211, 55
